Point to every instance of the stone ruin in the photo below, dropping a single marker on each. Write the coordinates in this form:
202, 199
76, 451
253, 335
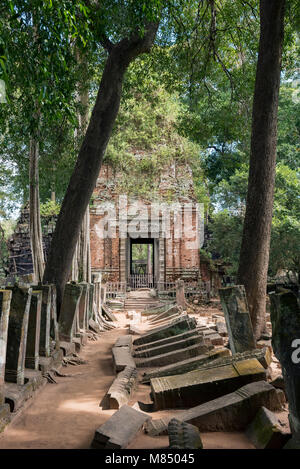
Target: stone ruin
189, 366
35, 343
214, 375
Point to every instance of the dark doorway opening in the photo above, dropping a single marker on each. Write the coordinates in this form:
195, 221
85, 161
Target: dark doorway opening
142, 263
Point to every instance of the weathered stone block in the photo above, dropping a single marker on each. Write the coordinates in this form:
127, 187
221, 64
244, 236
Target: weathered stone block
5, 300
172, 357
180, 296
17, 334
120, 429
91, 301
122, 358
121, 389
68, 311
94, 326
44, 347
124, 341
237, 317
199, 386
159, 350
184, 323
232, 412
183, 435
33, 331
83, 306
221, 328
173, 310
167, 340
262, 355
265, 431
54, 332
185, 366
285, 317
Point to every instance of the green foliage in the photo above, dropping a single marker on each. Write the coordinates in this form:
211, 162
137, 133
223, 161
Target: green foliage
145, 141
49, 208
227, 223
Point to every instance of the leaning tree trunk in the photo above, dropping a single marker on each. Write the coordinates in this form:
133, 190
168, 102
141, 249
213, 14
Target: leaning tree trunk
254, 255
81, 264
90, 156
36, 239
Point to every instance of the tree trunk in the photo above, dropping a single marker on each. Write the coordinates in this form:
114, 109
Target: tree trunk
81, 265
36, 239
90, 156
254, 255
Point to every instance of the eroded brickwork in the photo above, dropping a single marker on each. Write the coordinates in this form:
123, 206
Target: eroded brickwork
177, 253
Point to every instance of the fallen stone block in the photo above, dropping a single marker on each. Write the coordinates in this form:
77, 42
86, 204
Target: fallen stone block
172, 357
199, 386
185, 366
108, 313
265, 431
120, 429
221, 328
122, 358
124, 341
94, 326
237, 317
262, 355
121, 389
159, 350
214, 338
157, 309
232, 412
162, 322
173, 310
167, 340
183, 435
184, 323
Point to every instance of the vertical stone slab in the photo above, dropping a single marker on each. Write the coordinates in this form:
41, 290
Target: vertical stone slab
82, 306
17, 334
5, 299
180, 297
54, 332
91, 300
237, 317
69, 309
33, 331
285, 317
44, 348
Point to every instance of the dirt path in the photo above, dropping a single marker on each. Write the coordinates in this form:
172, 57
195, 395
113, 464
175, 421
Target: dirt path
65, 415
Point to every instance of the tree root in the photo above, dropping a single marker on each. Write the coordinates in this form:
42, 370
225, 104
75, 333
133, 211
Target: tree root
74, 359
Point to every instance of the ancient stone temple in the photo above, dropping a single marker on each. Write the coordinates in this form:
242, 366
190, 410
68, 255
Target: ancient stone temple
166, 222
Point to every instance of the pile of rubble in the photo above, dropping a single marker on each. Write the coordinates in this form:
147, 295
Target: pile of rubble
210, 369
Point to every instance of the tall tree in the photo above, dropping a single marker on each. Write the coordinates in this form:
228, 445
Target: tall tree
84, 176
254, 254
